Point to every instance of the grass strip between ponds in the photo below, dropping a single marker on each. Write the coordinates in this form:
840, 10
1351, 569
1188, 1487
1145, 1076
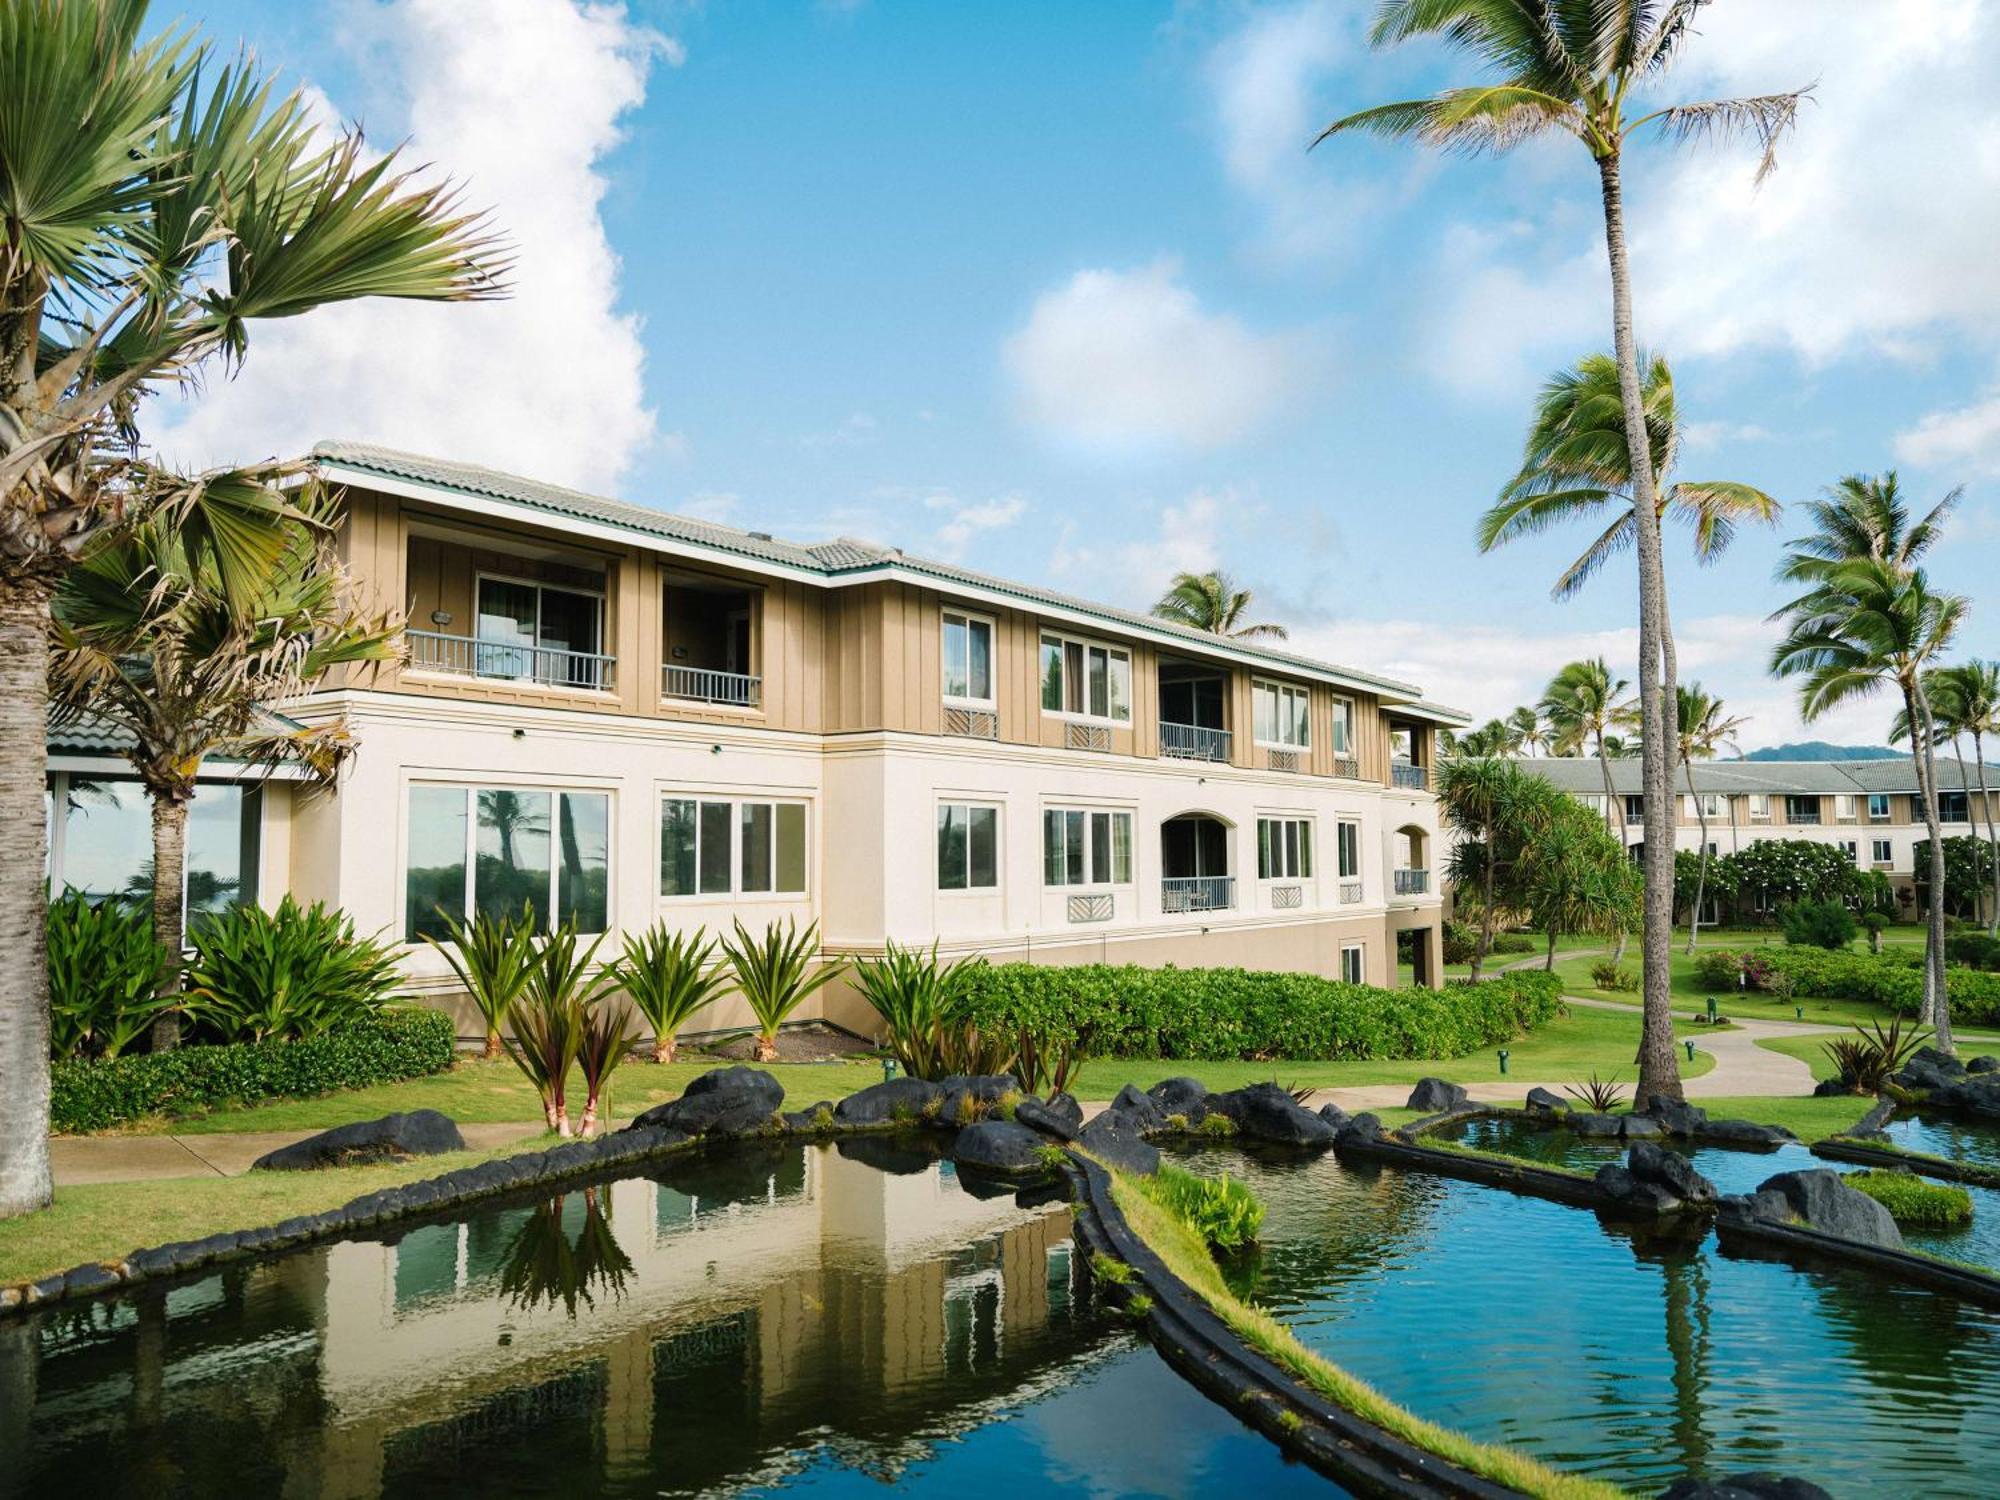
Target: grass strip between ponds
1922, 1162
1508, 1159
1183, 1253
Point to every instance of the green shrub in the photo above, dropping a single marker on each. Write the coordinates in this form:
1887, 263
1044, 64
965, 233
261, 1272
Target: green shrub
1608, 974
1818, 924
1914, 1203
1223, 1211
1892, 979
1516, 942
1461, 941
1975, 950
1865, 1060
379, 1048
289, 974
1223, 1014
1717, 968
105, 971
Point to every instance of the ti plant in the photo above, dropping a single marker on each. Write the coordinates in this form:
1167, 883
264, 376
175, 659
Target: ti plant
774, 973
552, 1020
1602, 1096
492, 957
1868, 1059
669, 976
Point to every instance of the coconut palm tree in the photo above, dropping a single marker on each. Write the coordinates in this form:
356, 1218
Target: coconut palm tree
147, 641
1494, 737
1704, 731
1212, 602
1965, 702
1868, 619
1583, 704
1561, 67
157, 205
1525, 725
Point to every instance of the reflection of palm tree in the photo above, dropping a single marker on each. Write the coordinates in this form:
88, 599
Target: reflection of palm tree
511, 814
544, 1266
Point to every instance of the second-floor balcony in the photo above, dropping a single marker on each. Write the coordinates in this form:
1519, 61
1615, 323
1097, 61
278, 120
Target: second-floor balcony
1802, 816
503, 661
1413, 777
702, 685
1412, 882
1193, 742
1197, 893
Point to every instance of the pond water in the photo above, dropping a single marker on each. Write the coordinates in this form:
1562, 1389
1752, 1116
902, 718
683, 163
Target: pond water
1935, 1135
808, 1320
1634, 1359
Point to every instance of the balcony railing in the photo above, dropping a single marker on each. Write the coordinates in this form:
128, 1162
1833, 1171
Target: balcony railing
1412, 882
1799, 816
467, 656
699, 684
1197, 893
1193, 742
1402, 773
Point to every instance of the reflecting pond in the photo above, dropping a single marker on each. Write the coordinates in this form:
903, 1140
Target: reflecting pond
1937, 1135
787, 1319
1634, 1359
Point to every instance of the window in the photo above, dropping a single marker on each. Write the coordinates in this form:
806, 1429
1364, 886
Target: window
1711, 805
1843, 808
1760, 805
1086, 848
1635, 809
1284, 849
1878, 807
968, 659
493, 851
101, 842
1280, 715
715, 846
1343, 726
1801, 809
1952, 807
1348, 838
537, 633
968, 847
1851, 848
1882, 854
1354, 963
1086, 681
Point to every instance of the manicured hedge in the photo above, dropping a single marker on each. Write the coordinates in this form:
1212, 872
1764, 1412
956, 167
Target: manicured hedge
1222, 1014
95, 1095
1894, 979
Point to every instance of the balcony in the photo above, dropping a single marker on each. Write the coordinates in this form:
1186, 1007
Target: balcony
701, 685
1413, 778
1801, 818
1193, 742
1188, 893
1412, 882
495, 661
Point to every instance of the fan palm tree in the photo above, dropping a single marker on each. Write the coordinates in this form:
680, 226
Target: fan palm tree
1705, 730
147, 641
1211, 602
1868, 619
1965, 702
1572, 68
153, 206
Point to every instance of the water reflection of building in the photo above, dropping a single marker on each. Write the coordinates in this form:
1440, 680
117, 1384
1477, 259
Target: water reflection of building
770, 1300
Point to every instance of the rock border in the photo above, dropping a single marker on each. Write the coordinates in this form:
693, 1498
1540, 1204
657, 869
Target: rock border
1736, 1232
1867, 1154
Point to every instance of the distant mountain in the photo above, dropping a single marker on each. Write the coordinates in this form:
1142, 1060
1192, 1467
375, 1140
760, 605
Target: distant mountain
1821, 750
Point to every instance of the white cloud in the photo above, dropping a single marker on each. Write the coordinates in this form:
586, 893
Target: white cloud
549, 382
1699, 437
710, 505
965, 521
1967, 437
1129, 362
1184, 541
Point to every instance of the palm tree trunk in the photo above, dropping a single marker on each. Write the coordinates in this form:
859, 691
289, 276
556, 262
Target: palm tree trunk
1549, 963
1614, 818
1965, 786
1659, 1073
170, 821
1701, 863
1936, 1009
1992, 836
1485, 910
25, 1183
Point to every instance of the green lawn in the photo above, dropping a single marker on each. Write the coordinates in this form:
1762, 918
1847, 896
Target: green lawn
1807, 1118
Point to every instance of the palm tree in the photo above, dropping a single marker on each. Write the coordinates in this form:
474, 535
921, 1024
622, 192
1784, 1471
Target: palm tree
1477, 794
1868, 618
1569, 67
1704, 731
1575, 468
157, 206
1583, 703
1494, 737
1574, 877
1965, 701
1211, 602
148, 641
1525, 725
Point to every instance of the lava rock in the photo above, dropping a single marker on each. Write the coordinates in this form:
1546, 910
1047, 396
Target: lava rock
1827, 1088
1141, 1107
897, 1154
1826, 1204
1627, 1191
1972, 1096
420, 1132
723, 1101
1983, 1064
82, 1280
1000, 1146
1039, 1115
1361, 1130
1598, 1127
886, 1103
1180, 1096
1640, 1128
1542, 1102
971, 1096
1755, 1486
1746, 1134
1266, 1112
1065, 1107
1335, 1116
807, 1121
1669, 1170
1677, 1116
1931, 1070
1117, 1138
1434, 1096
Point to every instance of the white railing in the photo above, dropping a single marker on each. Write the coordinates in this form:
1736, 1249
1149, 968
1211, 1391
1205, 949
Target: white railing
738, 689
1800, 817
1402, 773
1180, 893
1412, 882
1193, 742
1350, 892
468, 656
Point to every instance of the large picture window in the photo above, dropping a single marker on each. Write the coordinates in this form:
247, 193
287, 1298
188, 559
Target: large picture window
539, 633
1284, 849
496, 851
968, 847
1084, 680
1081, 847
101, 842
968, 659
1281, 715
725, 846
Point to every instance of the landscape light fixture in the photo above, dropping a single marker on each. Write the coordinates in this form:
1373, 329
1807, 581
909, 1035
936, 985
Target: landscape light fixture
1503, 1059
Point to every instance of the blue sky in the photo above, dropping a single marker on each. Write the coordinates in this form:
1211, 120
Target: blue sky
1056, 290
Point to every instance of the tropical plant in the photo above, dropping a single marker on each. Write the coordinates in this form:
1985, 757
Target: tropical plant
1583, 705
1965, 702
1525, 725
775, 976
1602, 1096
670, 976
1869, 619
158, 206
921, 1001
605, 1039
493, 958
1047, 1065
1609, 974
1224, 1212
292, 973
1573, 877
1913, 1202
1704, 731
1573, 69
1493, 738
148, 642
1479, 795
1211, 602
1866, 1060
551, 1018
1818, 924
105, 976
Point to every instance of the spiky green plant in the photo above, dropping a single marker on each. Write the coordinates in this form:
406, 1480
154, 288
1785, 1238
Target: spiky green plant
551, 1016
669, 975
606, 1039
774, 973
492, 957
105, 976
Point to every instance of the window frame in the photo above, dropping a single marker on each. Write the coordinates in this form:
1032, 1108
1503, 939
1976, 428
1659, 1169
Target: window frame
1089, 880
1284, 690
1958, 800
946, 614
1347, 833
1342, 701
603, 597
1852, 849
1360, 952
1294, 842
968, 806
736, 802
1888, 812
1086, 644
555, 792
1882, 851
